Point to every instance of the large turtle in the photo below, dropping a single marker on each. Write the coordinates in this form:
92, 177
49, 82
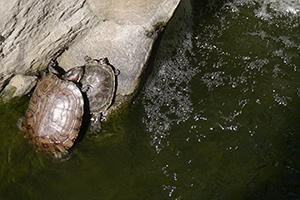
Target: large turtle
99, 83
53, 119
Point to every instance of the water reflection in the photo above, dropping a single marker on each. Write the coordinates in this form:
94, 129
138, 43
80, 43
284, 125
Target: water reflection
223, 109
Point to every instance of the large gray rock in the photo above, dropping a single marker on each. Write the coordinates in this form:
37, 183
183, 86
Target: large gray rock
125, 34
32, 33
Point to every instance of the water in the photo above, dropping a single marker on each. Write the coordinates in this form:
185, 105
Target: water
217, 119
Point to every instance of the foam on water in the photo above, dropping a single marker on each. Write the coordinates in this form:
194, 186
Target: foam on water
167, 100
225, 94
283, 6
267, 9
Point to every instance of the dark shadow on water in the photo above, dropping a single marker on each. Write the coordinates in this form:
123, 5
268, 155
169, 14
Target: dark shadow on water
85, 120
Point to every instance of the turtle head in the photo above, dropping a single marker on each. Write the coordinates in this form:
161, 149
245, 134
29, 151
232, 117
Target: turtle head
75, 74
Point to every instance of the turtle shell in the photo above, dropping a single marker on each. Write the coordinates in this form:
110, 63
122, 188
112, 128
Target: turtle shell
53, 119
100, 78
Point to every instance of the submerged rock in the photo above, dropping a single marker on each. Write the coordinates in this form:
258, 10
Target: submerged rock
34, 33
18, 86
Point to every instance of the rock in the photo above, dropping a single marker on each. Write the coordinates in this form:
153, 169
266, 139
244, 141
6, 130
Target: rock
18, 86
126, 47
139, 12
125, 35
35, 32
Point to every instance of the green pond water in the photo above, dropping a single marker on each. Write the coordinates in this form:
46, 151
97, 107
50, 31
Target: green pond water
218, 118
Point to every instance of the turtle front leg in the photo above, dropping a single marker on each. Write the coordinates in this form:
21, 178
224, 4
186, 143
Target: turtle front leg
96, 123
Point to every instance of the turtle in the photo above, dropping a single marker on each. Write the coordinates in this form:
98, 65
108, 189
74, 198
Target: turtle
99, 83
53, 118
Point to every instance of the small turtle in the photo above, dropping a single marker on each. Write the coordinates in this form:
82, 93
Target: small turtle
99, 84
53, 119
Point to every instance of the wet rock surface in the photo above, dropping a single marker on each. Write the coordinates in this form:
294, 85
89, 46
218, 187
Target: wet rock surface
18, 86
34, 33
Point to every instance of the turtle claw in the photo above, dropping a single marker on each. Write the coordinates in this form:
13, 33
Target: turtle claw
62, 156
103, 61
96, 124
51, 68
19, 123
117, 72
87, 58
96, 128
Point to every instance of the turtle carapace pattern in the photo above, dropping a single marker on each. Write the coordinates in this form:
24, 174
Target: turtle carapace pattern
53, 119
